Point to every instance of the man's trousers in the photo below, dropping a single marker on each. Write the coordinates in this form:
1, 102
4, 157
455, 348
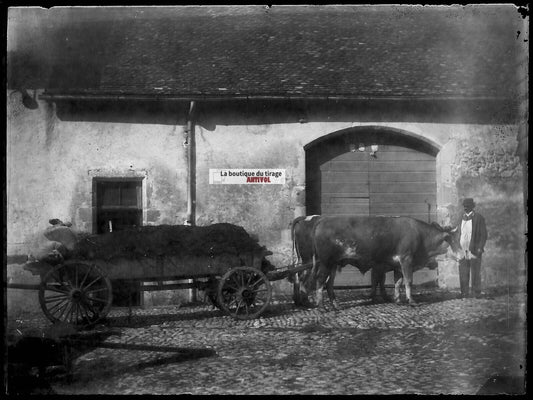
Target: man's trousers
467, 268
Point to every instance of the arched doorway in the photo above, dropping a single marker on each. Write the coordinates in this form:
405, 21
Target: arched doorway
371, 171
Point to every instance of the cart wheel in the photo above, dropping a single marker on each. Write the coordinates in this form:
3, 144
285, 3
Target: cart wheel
77, 294
244, 292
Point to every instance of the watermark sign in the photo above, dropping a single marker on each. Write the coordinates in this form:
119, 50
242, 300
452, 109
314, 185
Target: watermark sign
247, 176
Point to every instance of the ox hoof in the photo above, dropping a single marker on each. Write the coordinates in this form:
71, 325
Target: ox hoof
297, 301
305, 304
380, 299
412, 303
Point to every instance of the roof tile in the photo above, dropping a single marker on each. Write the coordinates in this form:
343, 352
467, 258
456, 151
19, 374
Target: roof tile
309, 50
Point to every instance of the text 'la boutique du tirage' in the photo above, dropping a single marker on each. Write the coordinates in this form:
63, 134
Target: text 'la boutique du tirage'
244, 176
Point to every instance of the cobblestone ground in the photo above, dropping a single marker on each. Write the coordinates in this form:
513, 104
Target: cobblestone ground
444, 345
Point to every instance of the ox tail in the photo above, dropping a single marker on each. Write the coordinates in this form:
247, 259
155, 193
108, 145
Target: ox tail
295, 250
313, 273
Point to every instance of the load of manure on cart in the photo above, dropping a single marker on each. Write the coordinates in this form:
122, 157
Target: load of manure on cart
167, 240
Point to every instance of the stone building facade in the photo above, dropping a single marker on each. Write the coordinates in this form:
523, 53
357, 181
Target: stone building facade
79, 133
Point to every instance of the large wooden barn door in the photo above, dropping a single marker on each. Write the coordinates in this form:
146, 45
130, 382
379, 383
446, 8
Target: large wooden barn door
397, 180
345, 188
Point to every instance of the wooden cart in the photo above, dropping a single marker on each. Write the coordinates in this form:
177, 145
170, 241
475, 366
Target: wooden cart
79, 292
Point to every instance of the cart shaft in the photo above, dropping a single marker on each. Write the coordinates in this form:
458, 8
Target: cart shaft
290, 270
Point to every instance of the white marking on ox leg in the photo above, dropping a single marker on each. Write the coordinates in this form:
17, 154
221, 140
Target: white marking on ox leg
329, 288
398, 283
318, 296
300, 293
408, 292
397, 286
407, 271
407, 283
322, 275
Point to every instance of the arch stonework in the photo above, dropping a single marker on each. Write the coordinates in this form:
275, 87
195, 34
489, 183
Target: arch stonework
435, 147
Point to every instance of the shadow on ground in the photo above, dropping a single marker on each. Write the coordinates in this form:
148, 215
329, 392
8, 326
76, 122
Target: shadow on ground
108, 367
277, 308
503, 385
136, 320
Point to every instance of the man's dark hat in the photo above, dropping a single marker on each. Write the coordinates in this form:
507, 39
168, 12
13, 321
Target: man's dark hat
468, 202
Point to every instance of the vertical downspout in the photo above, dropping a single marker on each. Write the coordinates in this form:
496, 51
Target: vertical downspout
191, 167
191, 181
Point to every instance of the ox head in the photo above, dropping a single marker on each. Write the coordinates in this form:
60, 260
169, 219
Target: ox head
446, 241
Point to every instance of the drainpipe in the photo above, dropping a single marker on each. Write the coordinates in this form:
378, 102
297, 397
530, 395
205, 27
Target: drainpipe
191, 182
191, 166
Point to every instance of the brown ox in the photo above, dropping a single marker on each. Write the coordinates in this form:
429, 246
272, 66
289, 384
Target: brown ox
385, 243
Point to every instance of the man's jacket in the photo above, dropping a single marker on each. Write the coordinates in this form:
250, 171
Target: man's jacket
479, 234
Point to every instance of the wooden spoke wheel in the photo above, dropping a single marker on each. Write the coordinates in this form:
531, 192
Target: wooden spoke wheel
244, 292
78, 294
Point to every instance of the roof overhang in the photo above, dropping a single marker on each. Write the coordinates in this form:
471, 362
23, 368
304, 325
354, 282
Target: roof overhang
283, 97
451, 109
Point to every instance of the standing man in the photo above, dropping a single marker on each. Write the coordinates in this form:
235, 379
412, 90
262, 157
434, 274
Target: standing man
473, 235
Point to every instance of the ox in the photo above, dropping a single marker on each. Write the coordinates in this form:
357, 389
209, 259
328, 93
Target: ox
386, 243
302, 244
